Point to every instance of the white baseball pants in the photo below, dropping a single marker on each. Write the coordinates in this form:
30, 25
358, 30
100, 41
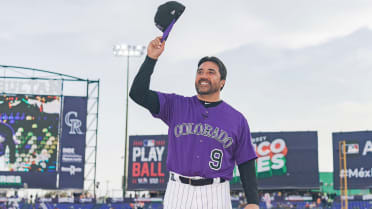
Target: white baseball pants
185, 196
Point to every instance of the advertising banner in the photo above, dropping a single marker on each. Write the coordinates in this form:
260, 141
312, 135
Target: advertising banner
286, 160
358, 159
29, 140
72, 143
147, 162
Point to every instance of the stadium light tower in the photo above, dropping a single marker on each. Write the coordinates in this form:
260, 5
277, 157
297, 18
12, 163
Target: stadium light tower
125, 50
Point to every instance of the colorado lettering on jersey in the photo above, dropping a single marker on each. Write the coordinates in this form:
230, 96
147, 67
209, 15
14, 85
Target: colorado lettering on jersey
205, 129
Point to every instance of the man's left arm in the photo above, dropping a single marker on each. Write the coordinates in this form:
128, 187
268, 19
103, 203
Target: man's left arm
247, 172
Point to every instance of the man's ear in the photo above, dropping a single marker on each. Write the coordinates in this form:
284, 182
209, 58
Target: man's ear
222, 84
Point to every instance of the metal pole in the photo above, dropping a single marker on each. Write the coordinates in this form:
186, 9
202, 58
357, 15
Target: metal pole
345, 176
95, 157
60, 133
124, 50
126, 131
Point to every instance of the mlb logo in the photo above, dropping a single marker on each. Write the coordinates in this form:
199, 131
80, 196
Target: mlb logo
352, 148
149, 142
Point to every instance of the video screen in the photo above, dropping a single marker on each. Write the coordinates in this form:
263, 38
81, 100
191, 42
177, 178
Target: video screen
29, 133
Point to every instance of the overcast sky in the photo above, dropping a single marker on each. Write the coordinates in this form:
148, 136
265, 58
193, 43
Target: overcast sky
291, 64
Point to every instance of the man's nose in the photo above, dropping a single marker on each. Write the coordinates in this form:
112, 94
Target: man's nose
203, 75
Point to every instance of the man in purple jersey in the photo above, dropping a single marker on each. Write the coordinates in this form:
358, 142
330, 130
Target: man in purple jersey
207, 137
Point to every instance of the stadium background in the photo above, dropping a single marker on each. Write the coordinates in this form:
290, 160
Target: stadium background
44, 146
301, 65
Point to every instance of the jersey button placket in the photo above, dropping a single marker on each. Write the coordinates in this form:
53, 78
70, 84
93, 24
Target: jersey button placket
205, 115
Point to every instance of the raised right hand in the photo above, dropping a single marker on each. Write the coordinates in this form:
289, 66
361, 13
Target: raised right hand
155, 48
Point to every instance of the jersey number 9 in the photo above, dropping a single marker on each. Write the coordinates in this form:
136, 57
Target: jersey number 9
216, 159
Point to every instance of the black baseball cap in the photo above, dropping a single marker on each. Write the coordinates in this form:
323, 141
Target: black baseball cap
166, 15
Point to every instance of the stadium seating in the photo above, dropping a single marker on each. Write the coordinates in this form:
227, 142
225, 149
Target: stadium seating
157, 205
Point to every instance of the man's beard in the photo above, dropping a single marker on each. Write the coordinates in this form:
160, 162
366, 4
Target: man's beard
212, 89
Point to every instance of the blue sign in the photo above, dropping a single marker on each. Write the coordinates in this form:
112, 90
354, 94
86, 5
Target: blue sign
72, 143
358, 153
147, 162
286, 160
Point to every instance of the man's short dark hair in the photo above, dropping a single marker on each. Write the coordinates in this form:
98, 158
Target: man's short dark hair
218, 62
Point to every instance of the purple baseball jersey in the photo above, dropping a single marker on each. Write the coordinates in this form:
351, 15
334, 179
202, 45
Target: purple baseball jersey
205, 142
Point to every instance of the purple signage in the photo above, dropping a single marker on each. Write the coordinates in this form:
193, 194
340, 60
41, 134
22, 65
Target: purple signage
72, 143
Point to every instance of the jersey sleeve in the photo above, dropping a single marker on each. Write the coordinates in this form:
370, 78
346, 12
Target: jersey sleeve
166, 107
245, 150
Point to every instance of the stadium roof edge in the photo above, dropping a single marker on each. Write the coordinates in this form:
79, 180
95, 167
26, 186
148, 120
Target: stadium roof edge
61, 75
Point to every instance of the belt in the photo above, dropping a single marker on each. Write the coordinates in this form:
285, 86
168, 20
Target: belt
197, 182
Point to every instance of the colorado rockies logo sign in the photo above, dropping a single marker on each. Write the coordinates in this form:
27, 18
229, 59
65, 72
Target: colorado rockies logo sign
74, 124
